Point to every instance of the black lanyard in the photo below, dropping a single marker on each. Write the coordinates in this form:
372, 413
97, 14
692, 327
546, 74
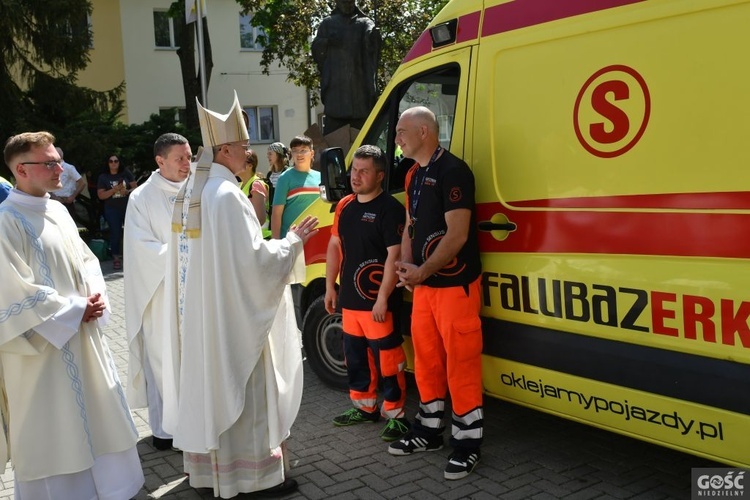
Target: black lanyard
417, 191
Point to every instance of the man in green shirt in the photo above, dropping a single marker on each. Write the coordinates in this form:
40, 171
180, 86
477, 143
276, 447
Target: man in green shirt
296, 188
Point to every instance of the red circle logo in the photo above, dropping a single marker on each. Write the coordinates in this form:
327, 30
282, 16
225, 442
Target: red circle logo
368, 279
611, 111
452, 268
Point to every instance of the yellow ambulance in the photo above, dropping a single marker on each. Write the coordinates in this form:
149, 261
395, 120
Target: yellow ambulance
610, 142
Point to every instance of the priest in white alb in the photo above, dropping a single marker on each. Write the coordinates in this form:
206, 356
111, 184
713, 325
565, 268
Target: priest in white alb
148, 229
67, 427
233, 379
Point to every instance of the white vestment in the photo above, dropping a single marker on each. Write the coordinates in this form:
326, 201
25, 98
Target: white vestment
65, 414
148, 229
233, 381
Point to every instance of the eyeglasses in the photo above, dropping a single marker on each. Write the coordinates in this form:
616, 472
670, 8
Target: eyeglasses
300, 152
51, 165
114, 161
243, 145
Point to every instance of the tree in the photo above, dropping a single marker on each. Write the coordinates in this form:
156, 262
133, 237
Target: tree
290, 25
42, 47
135, 142
191, 77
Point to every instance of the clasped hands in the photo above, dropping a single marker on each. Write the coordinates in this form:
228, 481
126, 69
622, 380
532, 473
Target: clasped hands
409, 275
95, 307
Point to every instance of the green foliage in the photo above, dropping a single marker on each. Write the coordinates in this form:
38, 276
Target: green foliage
290, 26
43, 45
135, 143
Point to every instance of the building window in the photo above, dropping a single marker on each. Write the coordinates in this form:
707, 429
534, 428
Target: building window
250, 36
166, 31
90, 28
80, 28
263, 123
179, 115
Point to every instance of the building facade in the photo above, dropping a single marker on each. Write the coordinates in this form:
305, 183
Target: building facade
134, 42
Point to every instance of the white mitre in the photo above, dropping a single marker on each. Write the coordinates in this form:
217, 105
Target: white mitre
217, 129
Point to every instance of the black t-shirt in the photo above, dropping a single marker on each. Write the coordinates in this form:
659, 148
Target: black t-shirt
108, 180
366, 230
445, 185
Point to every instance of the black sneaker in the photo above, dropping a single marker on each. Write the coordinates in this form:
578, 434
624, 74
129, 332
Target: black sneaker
461, 463
396, 428
412, 444
354, 416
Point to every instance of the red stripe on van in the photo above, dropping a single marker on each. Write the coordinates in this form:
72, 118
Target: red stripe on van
468, 27
317, 246
512, 16
523, 13
629, 233
422, 46
739, 200
466, 30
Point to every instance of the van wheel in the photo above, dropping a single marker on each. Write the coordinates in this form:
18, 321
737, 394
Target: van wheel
322, 338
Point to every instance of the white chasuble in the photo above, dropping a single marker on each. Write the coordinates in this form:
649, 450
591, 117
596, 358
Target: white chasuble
65, 404
148, 229
234, 369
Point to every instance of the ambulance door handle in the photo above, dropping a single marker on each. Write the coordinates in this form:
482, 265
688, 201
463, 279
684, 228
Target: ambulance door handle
499, 226
492, 226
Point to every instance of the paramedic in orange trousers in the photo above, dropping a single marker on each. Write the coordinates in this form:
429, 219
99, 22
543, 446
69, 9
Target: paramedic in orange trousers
363, 250
440, 263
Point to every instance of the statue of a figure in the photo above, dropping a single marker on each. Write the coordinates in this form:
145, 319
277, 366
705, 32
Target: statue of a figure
347, 52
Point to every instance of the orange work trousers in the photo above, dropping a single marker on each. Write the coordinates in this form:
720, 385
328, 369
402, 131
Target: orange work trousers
447, 337
373, 348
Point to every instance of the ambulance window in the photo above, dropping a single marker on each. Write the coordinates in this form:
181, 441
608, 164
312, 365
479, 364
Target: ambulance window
436, 90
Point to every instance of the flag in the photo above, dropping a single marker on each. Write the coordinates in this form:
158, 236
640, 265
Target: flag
191, 12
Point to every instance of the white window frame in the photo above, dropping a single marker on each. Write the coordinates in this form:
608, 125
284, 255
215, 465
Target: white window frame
173, 44
256, 127
244, 27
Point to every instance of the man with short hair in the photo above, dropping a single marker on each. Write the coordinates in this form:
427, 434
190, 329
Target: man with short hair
363, 250
67, 427
148, 229
440, 262
72, 185
233, 373
296, 188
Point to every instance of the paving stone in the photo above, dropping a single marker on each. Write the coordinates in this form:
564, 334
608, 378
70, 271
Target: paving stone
526, 454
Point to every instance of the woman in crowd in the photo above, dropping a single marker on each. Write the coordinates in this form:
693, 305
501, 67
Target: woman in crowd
254, 186
113, 187
278, 161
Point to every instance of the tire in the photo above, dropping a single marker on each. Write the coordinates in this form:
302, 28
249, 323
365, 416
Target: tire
323, 341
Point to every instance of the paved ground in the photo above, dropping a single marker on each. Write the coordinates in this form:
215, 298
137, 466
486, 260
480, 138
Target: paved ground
526, 454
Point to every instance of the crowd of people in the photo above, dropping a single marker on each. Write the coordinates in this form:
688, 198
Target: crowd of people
222, 378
